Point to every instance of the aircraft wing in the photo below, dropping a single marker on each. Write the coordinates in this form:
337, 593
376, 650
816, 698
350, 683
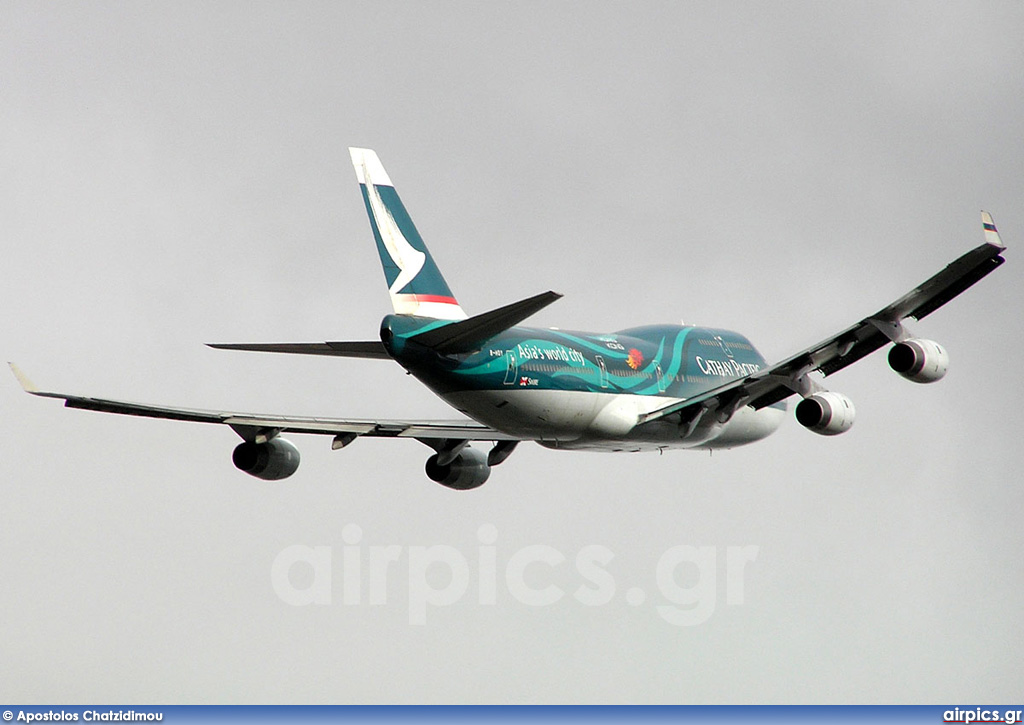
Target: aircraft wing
846, 347
249, 425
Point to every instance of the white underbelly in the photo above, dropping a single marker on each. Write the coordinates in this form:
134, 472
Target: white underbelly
603, 421
544, 414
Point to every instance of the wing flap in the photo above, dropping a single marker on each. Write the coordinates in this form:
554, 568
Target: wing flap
956, 286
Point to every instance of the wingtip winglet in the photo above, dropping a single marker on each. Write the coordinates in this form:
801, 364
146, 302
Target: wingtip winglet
991, 234
27, 385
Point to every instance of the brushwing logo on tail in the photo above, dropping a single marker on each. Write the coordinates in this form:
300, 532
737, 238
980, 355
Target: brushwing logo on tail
407, 258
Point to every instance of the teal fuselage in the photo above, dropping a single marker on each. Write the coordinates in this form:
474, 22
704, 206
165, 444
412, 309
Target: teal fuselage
586, 390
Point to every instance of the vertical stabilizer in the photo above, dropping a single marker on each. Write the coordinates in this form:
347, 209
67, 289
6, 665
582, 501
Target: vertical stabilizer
414, 281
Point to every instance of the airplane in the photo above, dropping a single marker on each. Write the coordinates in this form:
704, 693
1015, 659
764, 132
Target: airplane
648, 388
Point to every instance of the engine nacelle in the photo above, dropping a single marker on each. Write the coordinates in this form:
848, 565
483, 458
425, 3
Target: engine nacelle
826, 413
468, 470
271, 461
923, 361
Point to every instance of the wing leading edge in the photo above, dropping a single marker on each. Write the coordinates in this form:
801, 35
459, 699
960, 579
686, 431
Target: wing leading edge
785, 378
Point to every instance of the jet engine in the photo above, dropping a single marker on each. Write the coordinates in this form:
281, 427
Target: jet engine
826, 413
271, 461
468, 470
923, 361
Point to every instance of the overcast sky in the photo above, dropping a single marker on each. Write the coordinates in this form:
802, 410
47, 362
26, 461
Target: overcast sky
176, 173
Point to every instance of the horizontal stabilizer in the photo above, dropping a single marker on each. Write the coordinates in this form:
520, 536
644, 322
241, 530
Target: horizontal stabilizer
467, 335
368, 349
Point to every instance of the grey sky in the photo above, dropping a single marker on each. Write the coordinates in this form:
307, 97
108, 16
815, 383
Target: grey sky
174, 174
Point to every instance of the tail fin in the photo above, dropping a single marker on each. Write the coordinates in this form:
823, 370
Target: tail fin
414, 281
